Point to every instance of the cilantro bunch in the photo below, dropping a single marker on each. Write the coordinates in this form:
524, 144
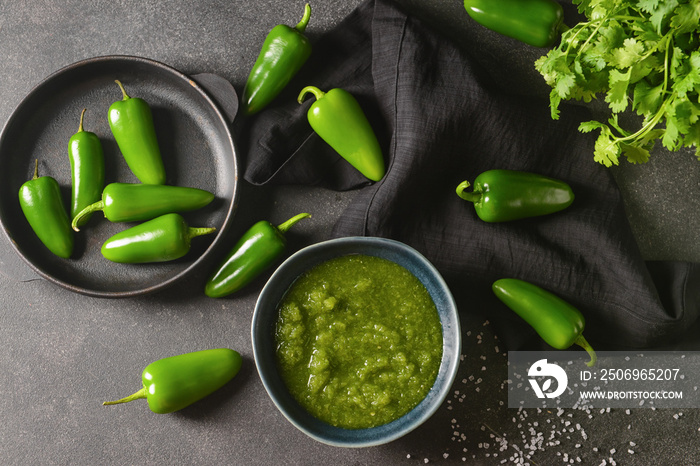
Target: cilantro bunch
638, 53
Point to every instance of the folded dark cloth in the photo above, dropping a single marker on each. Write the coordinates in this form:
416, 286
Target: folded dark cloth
440, 122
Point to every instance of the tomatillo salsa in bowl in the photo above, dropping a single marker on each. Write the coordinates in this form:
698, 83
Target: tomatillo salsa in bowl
356, 340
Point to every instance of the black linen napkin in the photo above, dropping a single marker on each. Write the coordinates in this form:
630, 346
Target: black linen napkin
440, 122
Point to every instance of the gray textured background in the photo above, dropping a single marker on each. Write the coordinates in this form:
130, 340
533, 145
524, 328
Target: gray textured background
63, 354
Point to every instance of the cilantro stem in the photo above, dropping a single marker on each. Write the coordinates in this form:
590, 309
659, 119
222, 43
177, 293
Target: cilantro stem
614, 123
593, 34
663, 41
599, 23
666, 63
662, 108
647, 127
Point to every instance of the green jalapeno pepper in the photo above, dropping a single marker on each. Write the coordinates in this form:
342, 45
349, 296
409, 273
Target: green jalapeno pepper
41, 203
126, 202
131, 122
161, 239
257, 249
172, 383
504, 195
283, 53
558, 323
339, 120
535, 22
87, 169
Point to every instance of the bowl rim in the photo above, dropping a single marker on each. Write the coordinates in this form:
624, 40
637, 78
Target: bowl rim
315, 254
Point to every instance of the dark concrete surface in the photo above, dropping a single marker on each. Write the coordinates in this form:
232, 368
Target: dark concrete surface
63, 353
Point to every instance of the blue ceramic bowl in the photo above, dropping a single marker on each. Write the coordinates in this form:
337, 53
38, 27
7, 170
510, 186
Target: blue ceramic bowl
265, 316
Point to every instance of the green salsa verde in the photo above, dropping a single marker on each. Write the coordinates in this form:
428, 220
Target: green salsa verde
359, 341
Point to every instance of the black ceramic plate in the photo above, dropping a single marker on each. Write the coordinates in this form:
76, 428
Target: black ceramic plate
196, 145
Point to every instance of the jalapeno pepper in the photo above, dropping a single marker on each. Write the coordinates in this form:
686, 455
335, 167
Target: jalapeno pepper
339, 120
283, 53
504, 195
257, 249
126, 202
172, 383
535, 22
131, 122
161, 239
87, 169
558, 323
41, 203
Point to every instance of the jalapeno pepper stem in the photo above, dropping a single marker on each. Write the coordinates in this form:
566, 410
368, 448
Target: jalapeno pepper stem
136, 396
581, 341
192, 231
468, 196
301, 27
36, 169
94, 207
288, 224
318, 93
82, 114
125, 95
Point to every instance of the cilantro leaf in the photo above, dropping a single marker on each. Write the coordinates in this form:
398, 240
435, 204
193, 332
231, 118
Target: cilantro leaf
635, 154
630, 53
606, 150
661, 13
692, 138
617, 93
689, 78
647, 98
686, 18
565, 84
648, 6
588, 126
670, 139
554, 101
